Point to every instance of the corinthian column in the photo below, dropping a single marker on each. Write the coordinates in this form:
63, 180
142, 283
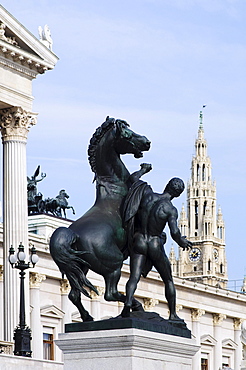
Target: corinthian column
14, 125
217, 321
36, 326
196, 314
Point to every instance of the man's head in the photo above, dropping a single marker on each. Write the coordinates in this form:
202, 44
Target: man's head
175, 187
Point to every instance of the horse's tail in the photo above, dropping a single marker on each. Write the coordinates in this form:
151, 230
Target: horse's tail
69, 260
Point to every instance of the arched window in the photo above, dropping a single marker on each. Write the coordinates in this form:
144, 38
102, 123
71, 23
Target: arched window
209, 265
198, 172
204, 207
221, 268
203, 172
206, 228
196, 215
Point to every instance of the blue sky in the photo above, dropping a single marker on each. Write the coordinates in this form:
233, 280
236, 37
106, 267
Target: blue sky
153, 63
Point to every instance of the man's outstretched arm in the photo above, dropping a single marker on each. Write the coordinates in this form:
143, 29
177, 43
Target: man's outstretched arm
145, 168
176, 234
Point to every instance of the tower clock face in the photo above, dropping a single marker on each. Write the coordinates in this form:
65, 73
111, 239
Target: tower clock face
195, 254
216, 254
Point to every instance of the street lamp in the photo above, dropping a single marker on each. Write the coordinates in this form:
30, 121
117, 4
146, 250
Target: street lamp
22, 333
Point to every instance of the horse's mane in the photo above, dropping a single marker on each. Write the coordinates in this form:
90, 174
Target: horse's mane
95, 140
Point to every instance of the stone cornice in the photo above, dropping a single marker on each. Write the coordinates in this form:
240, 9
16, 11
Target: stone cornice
15, 123
21, 61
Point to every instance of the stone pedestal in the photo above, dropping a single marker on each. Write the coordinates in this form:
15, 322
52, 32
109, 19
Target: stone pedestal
122, 349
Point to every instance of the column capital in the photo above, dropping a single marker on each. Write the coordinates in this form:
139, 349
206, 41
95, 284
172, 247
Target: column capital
15, 123
64, 286
197, 313
218, 318
237, 322
36, 279
100, 290
150, 303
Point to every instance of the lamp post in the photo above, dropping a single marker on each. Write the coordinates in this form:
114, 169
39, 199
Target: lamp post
22, 333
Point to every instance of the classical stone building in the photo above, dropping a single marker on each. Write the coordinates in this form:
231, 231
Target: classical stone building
213, 313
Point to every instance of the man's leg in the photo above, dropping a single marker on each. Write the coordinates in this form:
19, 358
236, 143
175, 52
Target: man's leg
137, 262
163, 266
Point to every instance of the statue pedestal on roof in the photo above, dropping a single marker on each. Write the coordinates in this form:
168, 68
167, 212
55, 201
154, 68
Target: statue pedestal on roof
137, 344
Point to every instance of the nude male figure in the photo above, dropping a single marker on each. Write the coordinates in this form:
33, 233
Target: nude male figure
147, 247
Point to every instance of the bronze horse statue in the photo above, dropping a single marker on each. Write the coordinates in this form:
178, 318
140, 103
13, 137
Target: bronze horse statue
58, 204
97, 240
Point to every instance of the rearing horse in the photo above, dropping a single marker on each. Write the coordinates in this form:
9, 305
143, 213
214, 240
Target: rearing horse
97, 240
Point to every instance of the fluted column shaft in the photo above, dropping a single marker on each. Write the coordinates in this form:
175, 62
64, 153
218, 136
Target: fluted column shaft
36, 326
237, 339
196, 315
14, 124
217, 321
65, 289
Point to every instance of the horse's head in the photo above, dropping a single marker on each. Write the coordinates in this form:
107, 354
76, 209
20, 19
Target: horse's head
63, 194
128, 141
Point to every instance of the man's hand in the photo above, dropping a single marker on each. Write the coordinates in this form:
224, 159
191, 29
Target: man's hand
185, 244
146, 167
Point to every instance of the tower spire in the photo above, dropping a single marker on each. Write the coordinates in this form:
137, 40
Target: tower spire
201, 120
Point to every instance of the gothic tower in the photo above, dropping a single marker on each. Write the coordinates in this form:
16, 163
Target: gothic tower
206, 262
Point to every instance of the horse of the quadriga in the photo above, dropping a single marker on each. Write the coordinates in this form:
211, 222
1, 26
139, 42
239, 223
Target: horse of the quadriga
97, 240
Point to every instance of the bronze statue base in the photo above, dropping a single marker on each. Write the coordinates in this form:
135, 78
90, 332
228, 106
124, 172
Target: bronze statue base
150, 321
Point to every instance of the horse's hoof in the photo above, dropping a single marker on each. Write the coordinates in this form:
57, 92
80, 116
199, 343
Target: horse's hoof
88, 318
138, 308
126, 311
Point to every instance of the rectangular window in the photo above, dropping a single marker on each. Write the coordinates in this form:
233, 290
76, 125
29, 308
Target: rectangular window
48, 346
204, 364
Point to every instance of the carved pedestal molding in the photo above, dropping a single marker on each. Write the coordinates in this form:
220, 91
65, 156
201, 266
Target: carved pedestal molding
196, 314
217, 321
150, 303
36, 326
14, 125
